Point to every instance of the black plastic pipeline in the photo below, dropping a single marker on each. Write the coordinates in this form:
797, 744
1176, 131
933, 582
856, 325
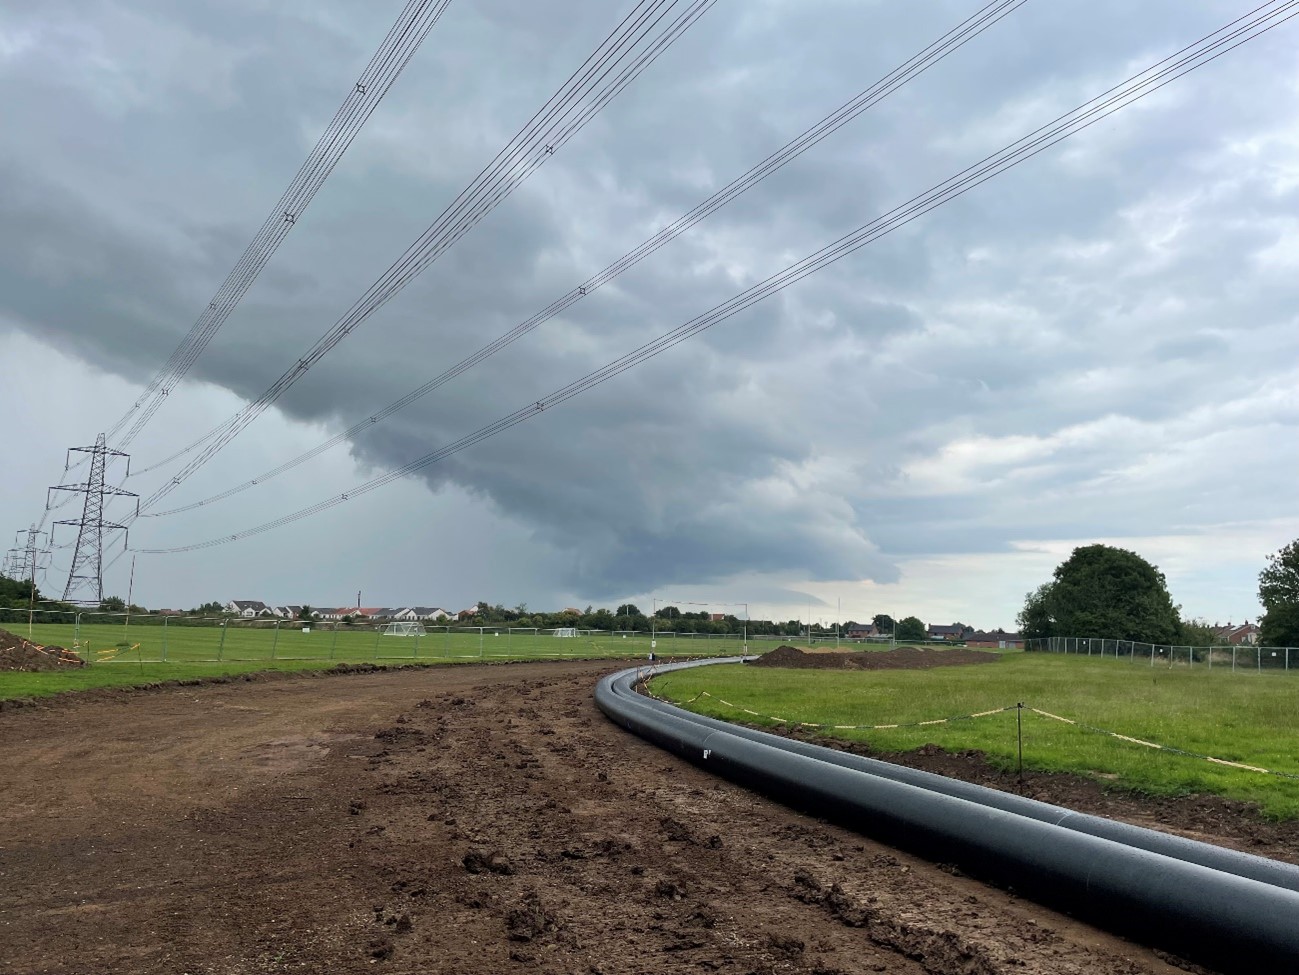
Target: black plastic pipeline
1211, 916
1247, 865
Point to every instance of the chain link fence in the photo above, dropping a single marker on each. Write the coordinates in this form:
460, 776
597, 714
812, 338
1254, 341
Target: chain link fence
1245, 657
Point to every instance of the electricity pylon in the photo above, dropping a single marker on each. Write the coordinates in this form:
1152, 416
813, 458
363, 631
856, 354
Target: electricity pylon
87, 572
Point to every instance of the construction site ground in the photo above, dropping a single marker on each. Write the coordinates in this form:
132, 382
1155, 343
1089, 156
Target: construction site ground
466, 819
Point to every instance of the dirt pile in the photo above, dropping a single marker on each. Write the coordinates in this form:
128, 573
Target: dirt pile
903, 658
19, 654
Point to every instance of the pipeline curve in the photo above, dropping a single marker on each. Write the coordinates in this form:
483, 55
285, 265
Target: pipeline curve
1231, 911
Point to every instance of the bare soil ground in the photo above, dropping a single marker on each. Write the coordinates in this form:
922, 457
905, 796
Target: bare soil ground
466, 819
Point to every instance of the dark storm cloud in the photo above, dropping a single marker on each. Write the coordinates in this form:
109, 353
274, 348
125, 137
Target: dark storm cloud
1031, 361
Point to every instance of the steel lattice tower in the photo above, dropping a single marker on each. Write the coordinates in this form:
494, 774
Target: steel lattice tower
26, 558
87, 570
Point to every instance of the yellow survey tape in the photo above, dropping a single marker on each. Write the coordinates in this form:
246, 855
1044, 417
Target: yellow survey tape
852, 727
982, 714
1164, 748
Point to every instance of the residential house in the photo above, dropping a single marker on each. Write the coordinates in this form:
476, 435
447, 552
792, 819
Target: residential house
950, 634
249, 608
421, 613
862, 631
1245, 633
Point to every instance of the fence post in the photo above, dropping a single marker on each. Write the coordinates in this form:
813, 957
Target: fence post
1152, 655
333, 643
221, 650
1019, 735
415, 655
275, 641
1233, 658
377, 634
480, 643
164, 639
1258, 655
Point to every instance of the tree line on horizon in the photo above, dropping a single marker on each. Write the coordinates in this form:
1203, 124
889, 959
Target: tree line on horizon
1100, 591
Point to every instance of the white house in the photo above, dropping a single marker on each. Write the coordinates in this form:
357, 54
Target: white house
249, 608
413, 613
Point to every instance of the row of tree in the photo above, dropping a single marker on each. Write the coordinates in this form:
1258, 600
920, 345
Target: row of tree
1103, 591
629, 616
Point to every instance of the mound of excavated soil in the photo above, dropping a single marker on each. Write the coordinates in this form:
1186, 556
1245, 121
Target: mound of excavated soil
19, 654
903, 658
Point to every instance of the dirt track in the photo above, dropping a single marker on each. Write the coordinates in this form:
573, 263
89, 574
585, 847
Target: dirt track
468, 820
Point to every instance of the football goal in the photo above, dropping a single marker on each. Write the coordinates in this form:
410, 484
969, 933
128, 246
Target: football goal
569, 631
404, 628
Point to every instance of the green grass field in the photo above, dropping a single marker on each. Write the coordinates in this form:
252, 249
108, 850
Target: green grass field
1243, 717
133, 655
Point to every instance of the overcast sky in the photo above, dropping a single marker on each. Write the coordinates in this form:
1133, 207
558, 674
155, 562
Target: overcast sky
1100, 345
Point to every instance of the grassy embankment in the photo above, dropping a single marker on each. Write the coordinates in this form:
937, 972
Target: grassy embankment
1243, 717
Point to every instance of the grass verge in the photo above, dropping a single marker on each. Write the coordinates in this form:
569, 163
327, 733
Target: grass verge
1243, 717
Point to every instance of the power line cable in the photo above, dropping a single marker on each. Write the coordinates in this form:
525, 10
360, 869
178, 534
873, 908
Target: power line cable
403, 39
629, 50
1136, 87
850, 110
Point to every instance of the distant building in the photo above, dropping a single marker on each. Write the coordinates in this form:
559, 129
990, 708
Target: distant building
862, 631
249, 608
421, 613
950, 634
995, 639
1245, 633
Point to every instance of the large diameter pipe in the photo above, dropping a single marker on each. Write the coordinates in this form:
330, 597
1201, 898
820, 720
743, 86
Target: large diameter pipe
1247, 865
1206, 915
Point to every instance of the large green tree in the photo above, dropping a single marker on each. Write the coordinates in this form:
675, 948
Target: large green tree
911, 628
1103, 591
1278, 591
1280, 626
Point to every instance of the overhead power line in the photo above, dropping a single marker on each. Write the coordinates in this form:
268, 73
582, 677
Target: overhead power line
635, 43
403, 39
850, 110
1138, 86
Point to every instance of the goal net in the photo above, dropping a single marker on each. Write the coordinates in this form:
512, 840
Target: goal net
404, 628
569, 631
